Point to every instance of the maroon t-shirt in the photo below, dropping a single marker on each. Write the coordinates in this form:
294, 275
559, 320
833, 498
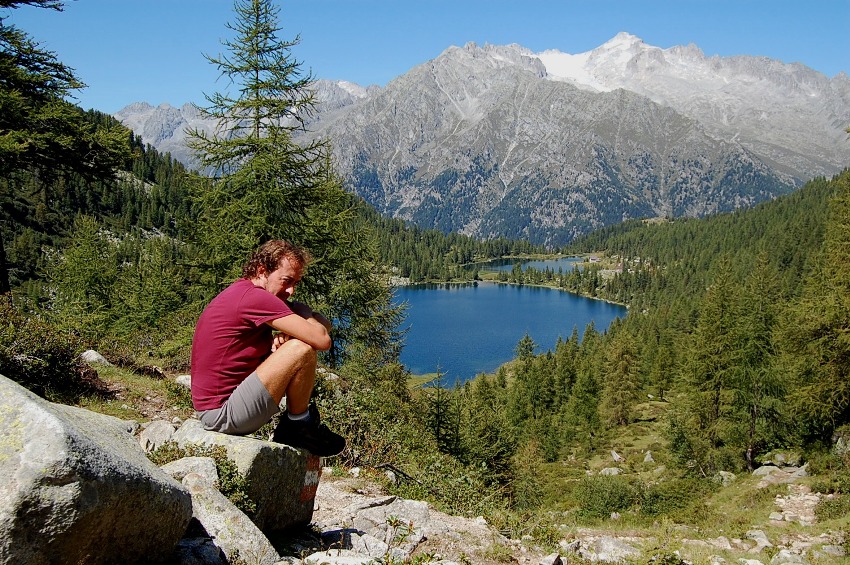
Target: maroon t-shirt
231, 340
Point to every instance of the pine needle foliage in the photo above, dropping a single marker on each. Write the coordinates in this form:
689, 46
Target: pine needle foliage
816, 331
44, 138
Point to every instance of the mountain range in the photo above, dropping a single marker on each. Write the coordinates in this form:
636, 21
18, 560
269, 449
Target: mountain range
500, 141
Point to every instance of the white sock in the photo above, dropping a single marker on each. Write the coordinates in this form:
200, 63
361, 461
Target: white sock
302, 416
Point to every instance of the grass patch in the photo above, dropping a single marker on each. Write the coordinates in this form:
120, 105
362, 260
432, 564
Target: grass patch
419, 381
499, 552
132, 396
231, 483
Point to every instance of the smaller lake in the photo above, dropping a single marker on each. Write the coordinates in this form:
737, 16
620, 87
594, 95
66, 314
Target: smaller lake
467, 329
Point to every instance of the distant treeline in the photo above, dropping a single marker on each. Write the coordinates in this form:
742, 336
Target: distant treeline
431, 255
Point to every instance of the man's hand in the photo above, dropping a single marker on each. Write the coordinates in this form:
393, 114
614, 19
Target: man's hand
279, 340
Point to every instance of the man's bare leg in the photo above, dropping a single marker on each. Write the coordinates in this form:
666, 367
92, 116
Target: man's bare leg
290, 371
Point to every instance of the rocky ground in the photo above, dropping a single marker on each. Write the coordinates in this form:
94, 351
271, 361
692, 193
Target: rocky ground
355, 521
354, 513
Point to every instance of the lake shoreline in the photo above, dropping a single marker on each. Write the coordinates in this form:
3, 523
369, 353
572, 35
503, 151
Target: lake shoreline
397, 282
508, 283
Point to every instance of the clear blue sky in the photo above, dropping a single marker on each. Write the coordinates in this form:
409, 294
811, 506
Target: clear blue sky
152, 50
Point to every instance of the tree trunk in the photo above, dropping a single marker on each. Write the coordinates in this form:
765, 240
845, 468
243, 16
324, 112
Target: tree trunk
5, 286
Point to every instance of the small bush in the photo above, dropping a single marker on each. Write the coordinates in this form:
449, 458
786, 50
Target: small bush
833, 508
452, 487
823, 462
44, 360
672, 496
832, 473
179, 395
546, 534
378, 424
499, 553
834, 483
600, 496
666, 559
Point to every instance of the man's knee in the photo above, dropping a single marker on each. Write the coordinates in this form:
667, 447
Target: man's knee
300, 349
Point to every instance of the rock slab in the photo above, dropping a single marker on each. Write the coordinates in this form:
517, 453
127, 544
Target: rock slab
281, 480
75, 488
230, 529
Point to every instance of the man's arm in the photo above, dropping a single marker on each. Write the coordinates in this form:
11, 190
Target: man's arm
306, 325
306, 312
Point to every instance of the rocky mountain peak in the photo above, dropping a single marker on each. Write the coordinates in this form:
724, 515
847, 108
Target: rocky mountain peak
498, 140
619, 50
493, 57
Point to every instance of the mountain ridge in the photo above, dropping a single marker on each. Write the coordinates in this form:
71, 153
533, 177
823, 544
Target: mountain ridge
500, 141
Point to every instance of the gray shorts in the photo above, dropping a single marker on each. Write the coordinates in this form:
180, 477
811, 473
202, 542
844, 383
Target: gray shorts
246, 411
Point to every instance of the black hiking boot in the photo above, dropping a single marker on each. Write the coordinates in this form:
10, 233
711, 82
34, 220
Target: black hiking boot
309, 434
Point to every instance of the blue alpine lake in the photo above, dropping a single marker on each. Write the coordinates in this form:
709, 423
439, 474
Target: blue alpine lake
463, 330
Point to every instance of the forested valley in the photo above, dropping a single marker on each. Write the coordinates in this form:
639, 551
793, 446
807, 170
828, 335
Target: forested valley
737, 341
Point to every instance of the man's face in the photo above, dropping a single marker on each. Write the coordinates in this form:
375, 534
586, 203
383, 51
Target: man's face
282, 281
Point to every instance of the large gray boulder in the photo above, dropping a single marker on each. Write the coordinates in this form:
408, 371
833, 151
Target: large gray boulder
75, 487
281, 480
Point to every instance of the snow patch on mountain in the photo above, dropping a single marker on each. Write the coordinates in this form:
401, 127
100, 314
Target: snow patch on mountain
572, 68
775, 108
352, 88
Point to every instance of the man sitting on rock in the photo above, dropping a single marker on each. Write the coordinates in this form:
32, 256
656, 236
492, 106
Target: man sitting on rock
253, 346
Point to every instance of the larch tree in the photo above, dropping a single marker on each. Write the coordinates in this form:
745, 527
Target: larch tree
759, 386
579, 416
487, 435
816, 330
709, 373
622, 380
522, 404
265, 185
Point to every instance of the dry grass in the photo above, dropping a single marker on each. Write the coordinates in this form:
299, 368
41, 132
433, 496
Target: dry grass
131, 396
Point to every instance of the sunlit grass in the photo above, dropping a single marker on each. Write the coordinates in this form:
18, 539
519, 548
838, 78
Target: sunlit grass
418, 381
136, 397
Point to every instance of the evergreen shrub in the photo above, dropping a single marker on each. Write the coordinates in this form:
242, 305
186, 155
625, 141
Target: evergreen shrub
450, 486
832, 473
372, 407
670, 497
179, 395
540, 524
600, 496
821, 460
369, 409
41, 358
835, 507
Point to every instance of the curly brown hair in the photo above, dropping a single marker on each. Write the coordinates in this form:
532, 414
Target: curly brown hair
270, 254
